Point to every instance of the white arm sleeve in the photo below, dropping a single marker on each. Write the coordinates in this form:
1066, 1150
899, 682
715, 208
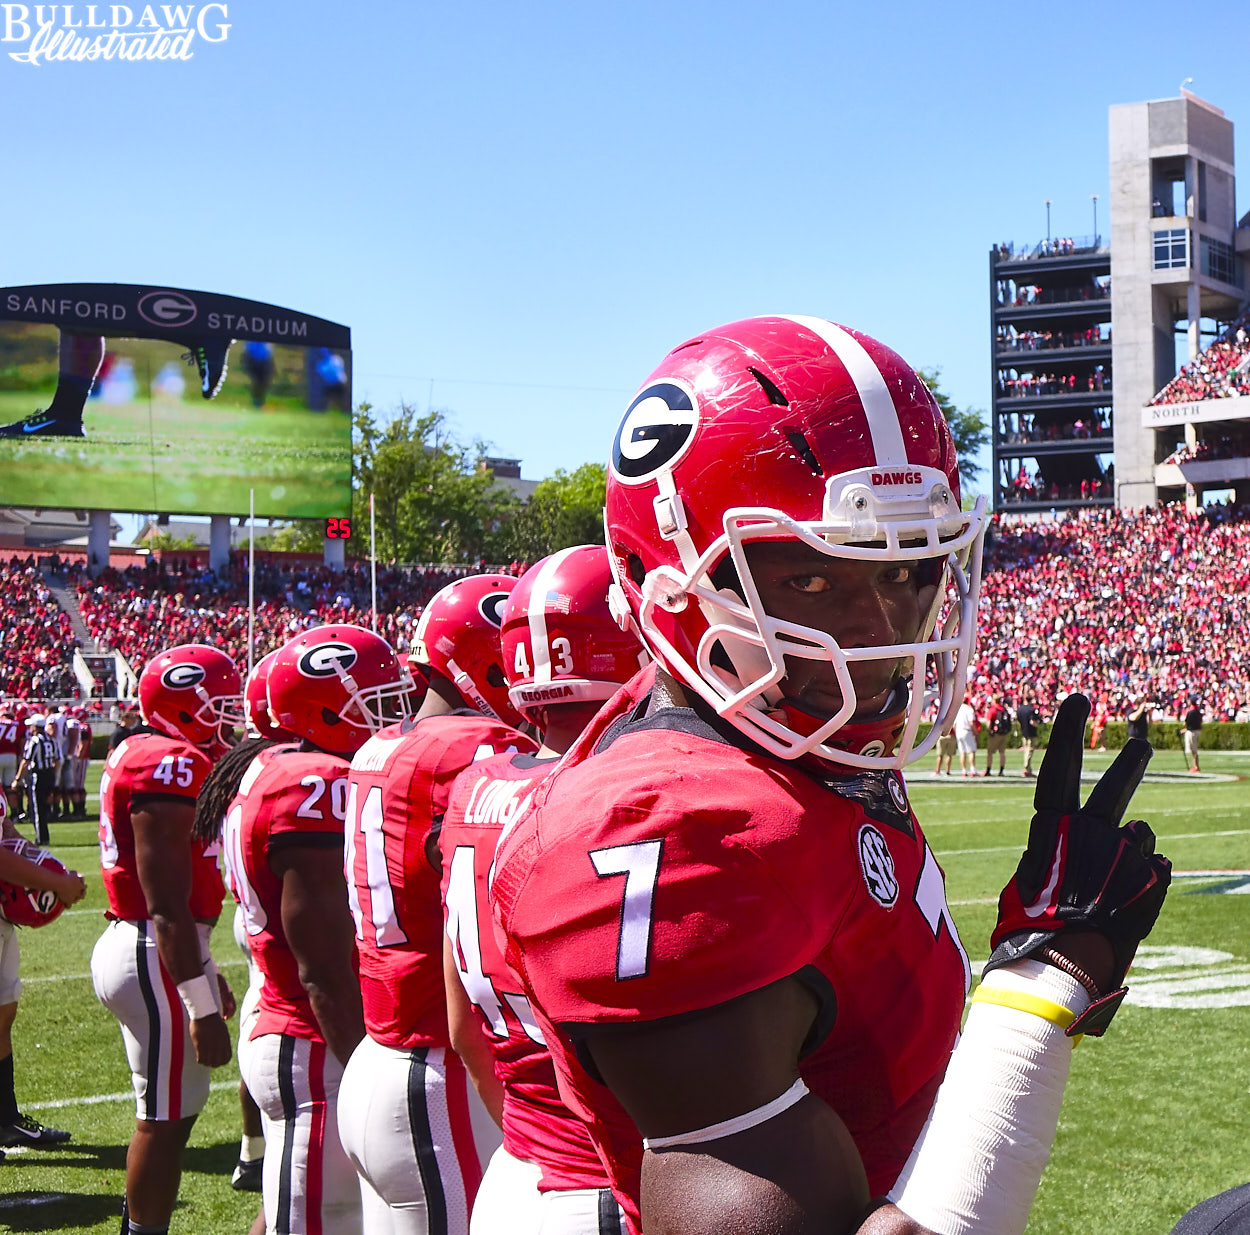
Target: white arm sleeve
975, 1168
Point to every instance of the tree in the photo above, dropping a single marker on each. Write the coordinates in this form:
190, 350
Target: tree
565, 509
432, 504
968, 428
166, 541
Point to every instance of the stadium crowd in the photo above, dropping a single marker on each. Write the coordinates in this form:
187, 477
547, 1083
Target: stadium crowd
35, 633
1106, 602
1153, 603
142, 609
1219, 372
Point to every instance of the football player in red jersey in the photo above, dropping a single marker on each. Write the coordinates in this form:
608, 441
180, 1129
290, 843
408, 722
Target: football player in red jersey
405, 1118
332, 687
721, 902
34, 888
12, 743
151, 968
563, 655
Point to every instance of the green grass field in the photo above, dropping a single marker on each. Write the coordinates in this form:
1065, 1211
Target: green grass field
175, 454
1155, 1117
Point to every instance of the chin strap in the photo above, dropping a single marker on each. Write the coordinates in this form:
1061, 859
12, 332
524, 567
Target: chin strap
875, 735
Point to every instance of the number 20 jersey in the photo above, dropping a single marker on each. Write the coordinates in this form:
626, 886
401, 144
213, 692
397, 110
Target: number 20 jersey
665, 869
150, 764
285, 796
400, 781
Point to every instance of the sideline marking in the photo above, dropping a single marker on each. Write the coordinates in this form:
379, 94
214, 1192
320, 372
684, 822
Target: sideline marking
97, 1099
80, 977
1164, 837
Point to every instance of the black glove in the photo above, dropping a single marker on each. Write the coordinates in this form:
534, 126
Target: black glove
1082, 870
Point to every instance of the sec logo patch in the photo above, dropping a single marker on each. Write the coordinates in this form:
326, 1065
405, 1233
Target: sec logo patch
878, 866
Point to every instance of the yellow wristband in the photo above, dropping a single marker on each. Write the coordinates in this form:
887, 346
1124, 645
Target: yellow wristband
1022, 1001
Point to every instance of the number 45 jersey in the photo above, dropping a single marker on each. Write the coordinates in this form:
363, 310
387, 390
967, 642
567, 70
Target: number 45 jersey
665, 869
153, 766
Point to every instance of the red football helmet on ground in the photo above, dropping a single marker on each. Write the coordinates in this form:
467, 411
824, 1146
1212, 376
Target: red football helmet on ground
25, 906
256, 703
336, 685
790, 429
560, 642
458, 635
192, 692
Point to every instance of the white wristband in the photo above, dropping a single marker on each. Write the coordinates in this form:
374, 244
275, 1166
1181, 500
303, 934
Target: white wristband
198, 997
980, 1155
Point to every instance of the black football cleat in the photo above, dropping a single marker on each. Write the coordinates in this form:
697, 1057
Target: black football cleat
209, 356
43, 424
26, 1131
246, 1177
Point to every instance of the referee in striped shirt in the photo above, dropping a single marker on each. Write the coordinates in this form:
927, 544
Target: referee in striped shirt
39, 765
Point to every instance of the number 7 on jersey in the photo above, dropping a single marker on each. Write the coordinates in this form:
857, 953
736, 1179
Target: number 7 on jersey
640, 864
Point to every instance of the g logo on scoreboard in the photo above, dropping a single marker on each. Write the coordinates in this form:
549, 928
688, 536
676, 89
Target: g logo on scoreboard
168, 309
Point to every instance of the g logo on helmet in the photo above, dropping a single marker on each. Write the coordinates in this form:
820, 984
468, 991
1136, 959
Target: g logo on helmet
491, 608
183, 677
326, 660
658, 428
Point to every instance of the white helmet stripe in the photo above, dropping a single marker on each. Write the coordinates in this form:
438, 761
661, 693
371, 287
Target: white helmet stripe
874, 394
540, 645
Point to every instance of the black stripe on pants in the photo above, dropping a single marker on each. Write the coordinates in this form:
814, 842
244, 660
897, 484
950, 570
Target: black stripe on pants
423, 1145
286, 1088
151, 1098
609, 1213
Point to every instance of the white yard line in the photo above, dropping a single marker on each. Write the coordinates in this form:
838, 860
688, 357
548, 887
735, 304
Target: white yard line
1164, 837
97, 1099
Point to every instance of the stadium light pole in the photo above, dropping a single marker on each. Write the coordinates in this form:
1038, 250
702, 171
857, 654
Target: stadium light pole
373, 565
1094, 198
1048, 218
251, 577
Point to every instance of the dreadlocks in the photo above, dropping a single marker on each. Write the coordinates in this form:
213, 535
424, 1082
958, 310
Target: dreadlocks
221, 785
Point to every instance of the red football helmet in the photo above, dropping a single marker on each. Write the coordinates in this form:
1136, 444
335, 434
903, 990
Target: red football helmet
25, 906
791, 429
193, 692
336, 685
560, 642
256, 703
458, 635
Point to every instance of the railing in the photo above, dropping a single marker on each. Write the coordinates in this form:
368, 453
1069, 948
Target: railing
1057, 246
1056, 295
1002, 344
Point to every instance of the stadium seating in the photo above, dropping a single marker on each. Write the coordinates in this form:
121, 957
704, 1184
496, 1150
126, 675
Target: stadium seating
1153, 602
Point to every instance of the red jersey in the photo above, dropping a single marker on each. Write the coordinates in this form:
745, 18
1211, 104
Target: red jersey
12, 736
84, 741
150, 764
665, 868
287, 797
537, 1126
400, 780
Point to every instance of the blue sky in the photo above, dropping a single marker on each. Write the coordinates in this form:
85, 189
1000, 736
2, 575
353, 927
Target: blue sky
518, 208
